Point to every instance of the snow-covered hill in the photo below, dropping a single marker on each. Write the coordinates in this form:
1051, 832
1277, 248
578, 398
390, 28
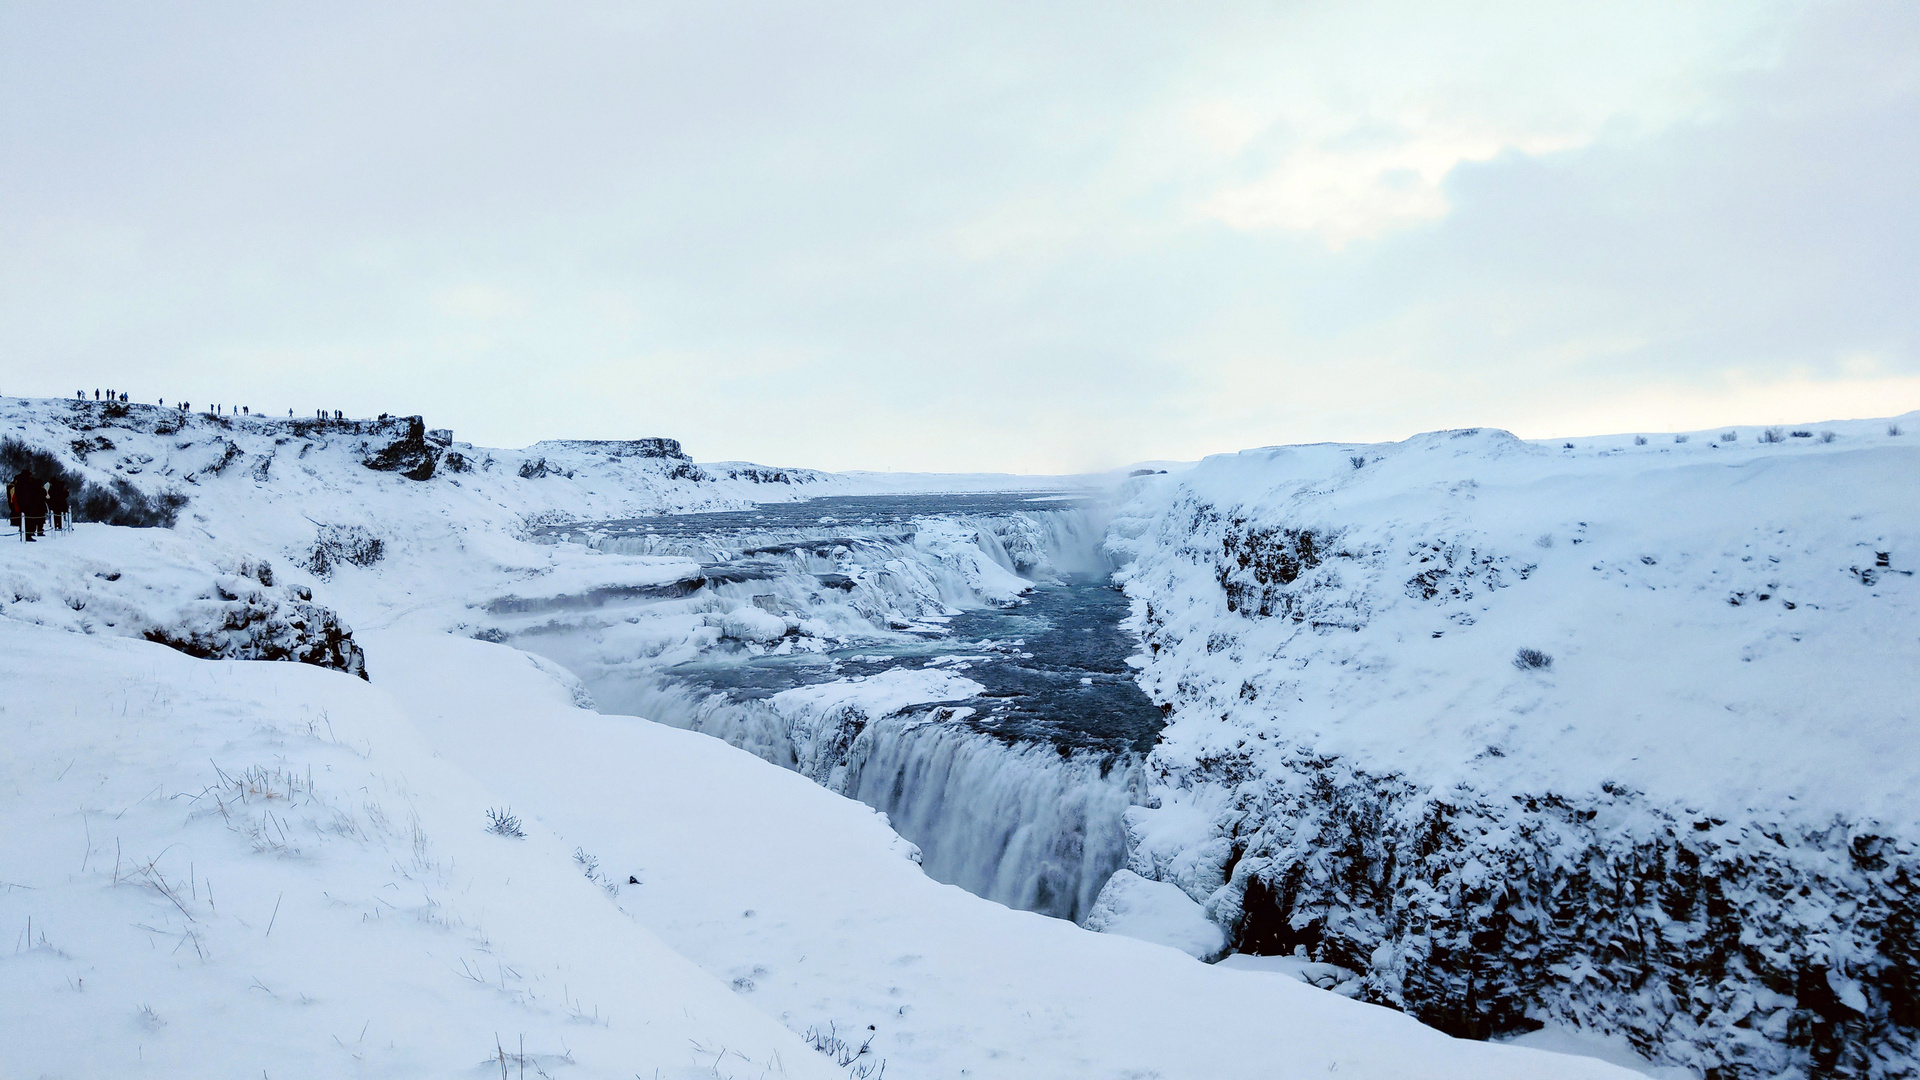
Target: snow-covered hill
1617, 733
229, 866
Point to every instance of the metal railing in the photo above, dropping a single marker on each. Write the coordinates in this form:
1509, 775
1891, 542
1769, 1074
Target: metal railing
51, 523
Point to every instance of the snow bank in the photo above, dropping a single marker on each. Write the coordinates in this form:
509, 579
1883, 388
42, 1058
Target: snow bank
203, 599
236, 868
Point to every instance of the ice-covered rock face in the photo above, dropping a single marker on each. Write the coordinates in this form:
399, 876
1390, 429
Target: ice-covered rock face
1539, 733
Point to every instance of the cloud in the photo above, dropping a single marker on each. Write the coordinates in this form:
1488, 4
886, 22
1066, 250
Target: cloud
1347, 194
1009, 237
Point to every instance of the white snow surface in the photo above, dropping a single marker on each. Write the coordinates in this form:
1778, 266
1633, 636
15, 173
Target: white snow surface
244, 867
878, 694
1713, 641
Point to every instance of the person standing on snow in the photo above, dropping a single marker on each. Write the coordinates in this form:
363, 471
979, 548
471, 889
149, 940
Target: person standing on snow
31, 494
57, 500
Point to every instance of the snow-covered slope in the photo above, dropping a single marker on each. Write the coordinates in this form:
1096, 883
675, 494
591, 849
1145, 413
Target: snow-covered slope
309, 494
338, 502
233, 868
1618, 733
816, 912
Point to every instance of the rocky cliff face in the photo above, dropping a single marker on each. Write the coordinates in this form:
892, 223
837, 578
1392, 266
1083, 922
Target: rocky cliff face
613, 448
409, 453
1741, 948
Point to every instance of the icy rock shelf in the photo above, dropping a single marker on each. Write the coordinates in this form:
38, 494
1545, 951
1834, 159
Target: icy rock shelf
954, 661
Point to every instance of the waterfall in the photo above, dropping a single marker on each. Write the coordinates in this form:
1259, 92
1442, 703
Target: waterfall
1022, 823
1037, 543
1018, 824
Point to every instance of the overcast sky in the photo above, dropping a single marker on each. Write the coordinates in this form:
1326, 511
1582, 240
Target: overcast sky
1028, 237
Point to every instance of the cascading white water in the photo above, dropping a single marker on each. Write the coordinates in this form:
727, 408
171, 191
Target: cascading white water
1017, 824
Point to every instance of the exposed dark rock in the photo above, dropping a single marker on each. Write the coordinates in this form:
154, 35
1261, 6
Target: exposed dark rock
83, 447
410, 455
230, 452
758, 475
243, 623
1259, 566
351, 545
616, 448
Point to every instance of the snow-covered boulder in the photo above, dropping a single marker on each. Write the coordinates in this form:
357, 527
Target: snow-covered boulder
822, 722
204, 600
1155, 911
750, 623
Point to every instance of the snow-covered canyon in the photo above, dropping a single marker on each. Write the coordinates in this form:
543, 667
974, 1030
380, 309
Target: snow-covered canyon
1677, 827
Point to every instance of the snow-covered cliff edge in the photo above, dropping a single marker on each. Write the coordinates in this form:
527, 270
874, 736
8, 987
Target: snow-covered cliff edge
1617, 733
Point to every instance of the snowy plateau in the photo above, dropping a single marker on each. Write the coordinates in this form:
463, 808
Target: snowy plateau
341, 748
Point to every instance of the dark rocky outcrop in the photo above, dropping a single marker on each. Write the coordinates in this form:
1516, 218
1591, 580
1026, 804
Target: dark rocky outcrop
615, 448
1742, 949
301, 632
246, 617
410, 455
343, 545
537, 468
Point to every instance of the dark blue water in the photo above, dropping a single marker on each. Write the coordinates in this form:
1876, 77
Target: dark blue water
1053, 665
1054, 669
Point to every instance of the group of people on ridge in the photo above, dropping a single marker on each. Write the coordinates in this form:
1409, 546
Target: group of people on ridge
31, 500
217, 410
